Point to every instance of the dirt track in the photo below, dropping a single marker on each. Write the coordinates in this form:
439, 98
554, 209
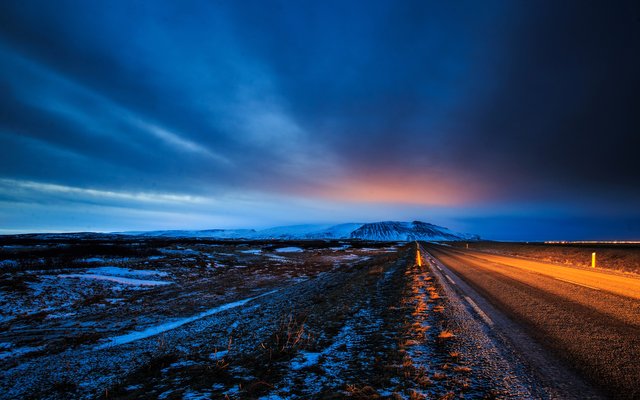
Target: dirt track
591, 321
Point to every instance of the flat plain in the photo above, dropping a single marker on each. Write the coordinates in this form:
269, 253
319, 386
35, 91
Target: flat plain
107, 316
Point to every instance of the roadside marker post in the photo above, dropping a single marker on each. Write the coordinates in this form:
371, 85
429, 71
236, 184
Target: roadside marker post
593, 259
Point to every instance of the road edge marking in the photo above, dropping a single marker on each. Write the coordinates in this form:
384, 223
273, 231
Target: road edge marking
477, 309
577, 283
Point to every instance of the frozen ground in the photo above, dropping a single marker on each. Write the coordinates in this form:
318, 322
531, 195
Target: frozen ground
178, 318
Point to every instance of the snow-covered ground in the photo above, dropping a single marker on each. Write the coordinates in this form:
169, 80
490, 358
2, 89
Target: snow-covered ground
167, 326
251, 251
289, 250
319, 318
117, 279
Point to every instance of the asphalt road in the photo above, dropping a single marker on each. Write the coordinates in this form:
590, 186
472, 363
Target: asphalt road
589, 321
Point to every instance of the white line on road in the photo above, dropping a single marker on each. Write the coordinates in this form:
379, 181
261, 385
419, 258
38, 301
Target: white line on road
449, 279
576, 283
481, 313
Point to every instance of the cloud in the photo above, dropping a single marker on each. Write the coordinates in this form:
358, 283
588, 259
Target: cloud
453, 108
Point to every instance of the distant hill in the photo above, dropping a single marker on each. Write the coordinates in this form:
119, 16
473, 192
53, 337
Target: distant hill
207, 233
377, 231
407, 231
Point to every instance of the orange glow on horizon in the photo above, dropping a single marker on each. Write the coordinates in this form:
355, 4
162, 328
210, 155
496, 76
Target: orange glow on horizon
401, 189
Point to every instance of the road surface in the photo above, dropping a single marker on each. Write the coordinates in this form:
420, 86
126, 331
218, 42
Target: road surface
588, 320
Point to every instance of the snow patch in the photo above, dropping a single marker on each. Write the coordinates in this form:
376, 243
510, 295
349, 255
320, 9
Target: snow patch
8, 263
304, 360
117, 271
251, 251
117, 279
155, 330
289, 250
20, 351
93, 260
218, 355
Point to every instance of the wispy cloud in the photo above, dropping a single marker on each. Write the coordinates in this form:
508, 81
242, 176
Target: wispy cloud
30, 189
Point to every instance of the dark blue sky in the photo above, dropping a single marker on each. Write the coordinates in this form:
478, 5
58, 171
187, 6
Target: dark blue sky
510, 119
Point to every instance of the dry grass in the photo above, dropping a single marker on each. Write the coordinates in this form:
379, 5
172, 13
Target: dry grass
290, 336
433, 294
415, 395
446, 334
376, 270
424, 381
439, 376
364, 392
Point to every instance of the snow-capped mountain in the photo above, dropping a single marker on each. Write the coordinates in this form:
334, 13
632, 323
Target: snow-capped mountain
341, 231
407, 231
378, 231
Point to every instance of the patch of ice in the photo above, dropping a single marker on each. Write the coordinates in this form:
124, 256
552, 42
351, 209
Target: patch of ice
117, 279
165, 395
8, 263
218, 355
251, 251
367, 249
233, 391
191, 395
117, 271
180, 251
61, 315
179, 364
299, 279
272, 397
93, 260
167, 326
289, 250
20, 351
305, 359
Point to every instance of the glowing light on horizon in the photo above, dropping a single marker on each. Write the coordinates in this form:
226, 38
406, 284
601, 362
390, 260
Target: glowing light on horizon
400, 189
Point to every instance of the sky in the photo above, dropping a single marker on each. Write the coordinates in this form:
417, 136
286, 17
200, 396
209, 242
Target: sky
514, 120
